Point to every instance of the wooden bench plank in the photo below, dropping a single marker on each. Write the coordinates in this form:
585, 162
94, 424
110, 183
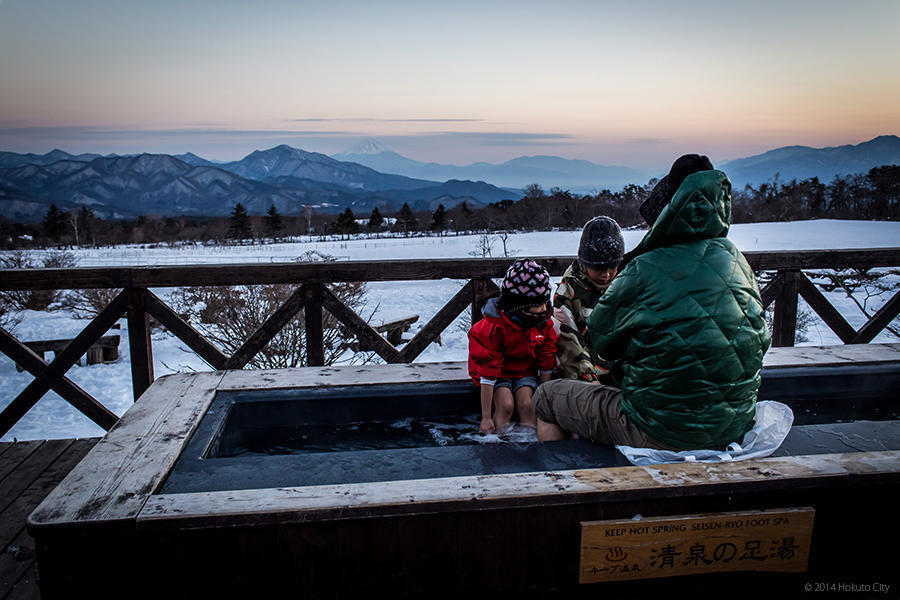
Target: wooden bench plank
393, 331
402, 322
17, 559
425, 496
30, 469
60, 345
18, 568
104, 350
27, 587
12, 518
127, 465
796, 356
396, 328
807, 356
345, 375
15, 455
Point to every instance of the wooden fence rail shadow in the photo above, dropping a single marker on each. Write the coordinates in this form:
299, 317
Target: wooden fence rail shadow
138, 303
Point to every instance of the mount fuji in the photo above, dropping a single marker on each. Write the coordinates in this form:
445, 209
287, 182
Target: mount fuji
548, 171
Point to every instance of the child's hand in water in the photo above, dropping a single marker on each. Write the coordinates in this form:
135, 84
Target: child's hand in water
487, 425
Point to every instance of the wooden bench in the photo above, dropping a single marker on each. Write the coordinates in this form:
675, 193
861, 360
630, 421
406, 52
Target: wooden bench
396, 328
105, 350
394, 331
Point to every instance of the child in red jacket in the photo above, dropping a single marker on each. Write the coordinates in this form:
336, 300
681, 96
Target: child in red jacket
513, 345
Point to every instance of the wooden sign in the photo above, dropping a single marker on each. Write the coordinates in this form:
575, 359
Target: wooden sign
768, 540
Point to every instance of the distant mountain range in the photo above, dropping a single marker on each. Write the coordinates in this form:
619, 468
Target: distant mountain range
284, 161
792, 162
549, 171
161, 184
362, 178
803, 162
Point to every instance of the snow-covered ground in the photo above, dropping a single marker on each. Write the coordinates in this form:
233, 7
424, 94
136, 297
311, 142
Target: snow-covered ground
52, 417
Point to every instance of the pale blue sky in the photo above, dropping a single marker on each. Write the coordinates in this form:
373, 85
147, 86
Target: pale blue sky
629, 83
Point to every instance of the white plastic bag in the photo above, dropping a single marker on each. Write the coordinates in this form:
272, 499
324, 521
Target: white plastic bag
773, 422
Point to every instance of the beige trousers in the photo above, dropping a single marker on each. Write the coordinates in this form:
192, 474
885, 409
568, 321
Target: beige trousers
593, 411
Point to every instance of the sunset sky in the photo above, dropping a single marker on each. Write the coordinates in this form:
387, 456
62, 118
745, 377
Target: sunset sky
633, 83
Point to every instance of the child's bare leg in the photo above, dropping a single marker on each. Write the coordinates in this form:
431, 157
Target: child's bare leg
524, 405
503, 408
550, 432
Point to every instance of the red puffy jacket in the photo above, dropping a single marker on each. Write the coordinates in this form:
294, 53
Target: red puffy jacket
498, 348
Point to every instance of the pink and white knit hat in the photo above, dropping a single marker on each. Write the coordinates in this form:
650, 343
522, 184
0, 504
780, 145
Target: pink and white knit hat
526, 284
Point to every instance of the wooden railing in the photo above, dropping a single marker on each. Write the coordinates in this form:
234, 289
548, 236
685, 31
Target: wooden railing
138, 303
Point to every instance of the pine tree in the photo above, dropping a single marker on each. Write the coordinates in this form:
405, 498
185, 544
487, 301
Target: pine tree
239, 227
85, 224
406, 219
465, 217
346, 223
54, 223
375, 221
439, 219
273, 222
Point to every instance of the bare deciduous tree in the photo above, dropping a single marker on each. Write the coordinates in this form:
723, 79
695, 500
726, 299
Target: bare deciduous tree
230, 315
484, 245
88, 303
34, 299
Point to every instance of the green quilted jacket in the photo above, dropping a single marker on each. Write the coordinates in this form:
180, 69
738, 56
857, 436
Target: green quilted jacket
685, 324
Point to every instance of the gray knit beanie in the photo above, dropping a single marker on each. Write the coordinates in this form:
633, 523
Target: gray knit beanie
602, 245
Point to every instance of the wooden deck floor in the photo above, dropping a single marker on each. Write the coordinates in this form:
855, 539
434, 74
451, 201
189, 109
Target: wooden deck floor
28, 472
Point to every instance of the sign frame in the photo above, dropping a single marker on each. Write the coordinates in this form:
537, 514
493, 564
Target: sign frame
643, 548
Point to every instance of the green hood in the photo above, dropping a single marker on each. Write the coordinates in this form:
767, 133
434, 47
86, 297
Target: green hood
700, 209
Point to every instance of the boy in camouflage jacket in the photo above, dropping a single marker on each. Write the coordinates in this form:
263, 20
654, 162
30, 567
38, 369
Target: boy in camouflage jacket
599, 253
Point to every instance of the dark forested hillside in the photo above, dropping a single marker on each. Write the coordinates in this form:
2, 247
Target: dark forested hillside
872, 195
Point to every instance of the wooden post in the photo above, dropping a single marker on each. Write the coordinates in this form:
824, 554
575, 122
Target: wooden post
476, 310
315, 345
481, 291
784, 322
139, 343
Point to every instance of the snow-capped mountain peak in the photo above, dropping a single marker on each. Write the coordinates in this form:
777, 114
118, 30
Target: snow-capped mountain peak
366, 146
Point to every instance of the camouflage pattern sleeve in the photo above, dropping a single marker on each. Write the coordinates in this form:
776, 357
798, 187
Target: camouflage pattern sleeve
572, 348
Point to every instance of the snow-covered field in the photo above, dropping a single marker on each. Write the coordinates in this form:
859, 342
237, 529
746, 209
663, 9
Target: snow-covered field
52, 417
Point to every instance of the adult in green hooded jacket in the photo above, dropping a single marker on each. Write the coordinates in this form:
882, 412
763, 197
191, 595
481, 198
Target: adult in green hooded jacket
684, 323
